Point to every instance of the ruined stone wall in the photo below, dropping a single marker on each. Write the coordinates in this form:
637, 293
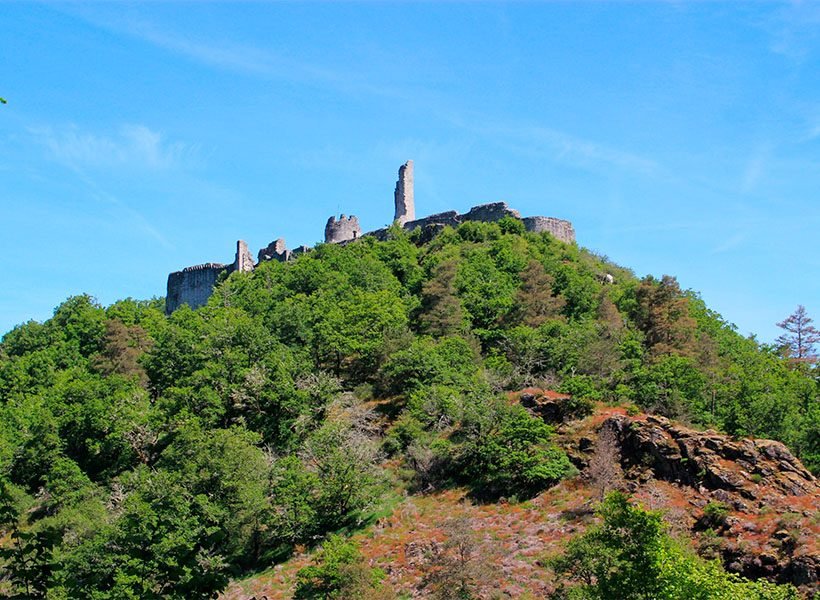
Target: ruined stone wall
403, 195
275, 251
451, 218
342, 230
495, 211
558, 228
192, 286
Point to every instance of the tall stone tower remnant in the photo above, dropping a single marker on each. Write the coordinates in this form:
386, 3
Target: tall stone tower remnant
244, 259
403, 195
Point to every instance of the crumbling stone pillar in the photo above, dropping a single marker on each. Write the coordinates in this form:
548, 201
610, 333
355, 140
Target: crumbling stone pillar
244, 259
403, 195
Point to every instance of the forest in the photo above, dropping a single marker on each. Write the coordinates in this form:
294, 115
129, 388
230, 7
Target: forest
152, 456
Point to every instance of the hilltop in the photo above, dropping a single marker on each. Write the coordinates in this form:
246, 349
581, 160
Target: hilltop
382, 388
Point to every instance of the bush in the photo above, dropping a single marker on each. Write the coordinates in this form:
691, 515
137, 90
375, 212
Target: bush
715, 515
508, 452
630, 555
339, 571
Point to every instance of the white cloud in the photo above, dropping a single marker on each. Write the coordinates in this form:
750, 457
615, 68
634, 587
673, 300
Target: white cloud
131, 145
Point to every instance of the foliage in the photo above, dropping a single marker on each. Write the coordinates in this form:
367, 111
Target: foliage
508, 452
800, 336
151, 455
629, 555
339, 571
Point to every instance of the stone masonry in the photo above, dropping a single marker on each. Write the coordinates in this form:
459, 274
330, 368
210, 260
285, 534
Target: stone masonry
403, 195
194, 285
557, 228
275, 251
342, 230
244, 260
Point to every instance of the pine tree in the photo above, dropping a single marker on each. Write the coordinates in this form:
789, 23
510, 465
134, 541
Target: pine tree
800, 336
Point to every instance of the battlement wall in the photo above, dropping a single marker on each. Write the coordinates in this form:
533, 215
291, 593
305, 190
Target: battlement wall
275, 251
192, 286
489, 213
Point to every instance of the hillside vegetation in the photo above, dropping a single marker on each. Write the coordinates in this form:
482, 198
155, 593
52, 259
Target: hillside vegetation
153, 456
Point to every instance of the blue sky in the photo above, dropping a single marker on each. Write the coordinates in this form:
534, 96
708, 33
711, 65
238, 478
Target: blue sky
680, 138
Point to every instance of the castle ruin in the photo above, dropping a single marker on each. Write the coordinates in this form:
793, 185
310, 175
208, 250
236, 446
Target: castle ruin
344, 229
403, 195
194, 285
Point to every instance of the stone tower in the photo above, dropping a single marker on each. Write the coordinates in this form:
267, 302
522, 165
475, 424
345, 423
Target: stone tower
403, 195
342, 230
244, 259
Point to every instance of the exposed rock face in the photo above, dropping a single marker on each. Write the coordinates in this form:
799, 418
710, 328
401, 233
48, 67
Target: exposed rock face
549, 405
275, 251
342, 230
709, 459
403, 195
772, 500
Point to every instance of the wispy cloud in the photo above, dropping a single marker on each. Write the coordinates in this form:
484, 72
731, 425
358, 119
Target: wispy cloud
755, 169
793, 29
560, 146
246, 59
730, 243
131, 145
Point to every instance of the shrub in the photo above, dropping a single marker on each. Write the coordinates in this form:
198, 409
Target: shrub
339, 571
715, 515
508, 452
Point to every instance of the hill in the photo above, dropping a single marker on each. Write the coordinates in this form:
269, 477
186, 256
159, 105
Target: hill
375, 389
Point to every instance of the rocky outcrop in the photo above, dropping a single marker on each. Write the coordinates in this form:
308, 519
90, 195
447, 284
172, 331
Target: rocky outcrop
746, 467
552, 407
767, 501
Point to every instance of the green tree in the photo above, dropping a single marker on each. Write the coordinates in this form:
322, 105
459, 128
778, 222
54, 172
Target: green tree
662, 314
441, 311
508, 452
160, 546
339, 571
630, 556
25, 556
